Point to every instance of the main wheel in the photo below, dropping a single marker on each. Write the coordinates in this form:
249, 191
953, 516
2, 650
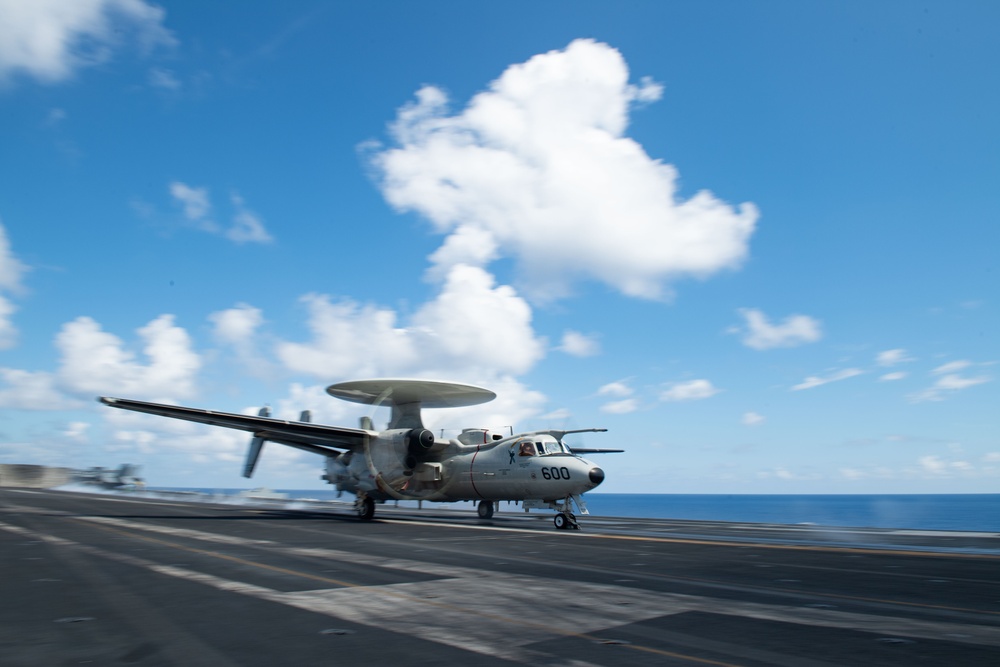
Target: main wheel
485, 509
366, 509
561, 521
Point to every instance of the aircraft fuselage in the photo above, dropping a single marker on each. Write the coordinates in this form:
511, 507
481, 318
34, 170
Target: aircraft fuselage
517, 468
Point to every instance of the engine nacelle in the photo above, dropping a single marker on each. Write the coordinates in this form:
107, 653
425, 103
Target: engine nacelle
339, 473
396, 455
419, 443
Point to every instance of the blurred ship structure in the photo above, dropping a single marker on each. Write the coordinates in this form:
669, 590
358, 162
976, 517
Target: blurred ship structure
19, 475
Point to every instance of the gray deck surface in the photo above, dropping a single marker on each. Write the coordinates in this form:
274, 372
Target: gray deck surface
125, 580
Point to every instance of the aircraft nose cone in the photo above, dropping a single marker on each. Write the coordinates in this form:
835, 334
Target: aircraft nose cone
596, 476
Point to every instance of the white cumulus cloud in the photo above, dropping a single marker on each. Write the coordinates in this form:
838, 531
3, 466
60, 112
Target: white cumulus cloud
11, 272
493, 335
27, 390
540, 165
11, 268
8, 332
468, 245
761, 334
752, 419
617, 388
579, 345
237, 325
96, 362
237, 328
348, 340
51, 39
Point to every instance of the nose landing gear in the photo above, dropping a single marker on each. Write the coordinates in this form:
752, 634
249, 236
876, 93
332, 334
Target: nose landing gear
566, 521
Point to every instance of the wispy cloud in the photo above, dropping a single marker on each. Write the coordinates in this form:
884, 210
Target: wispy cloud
194, 201
951, 367
618, 389
247, 226
693, 390
164, 79
196, 205
948, 381
818, 381
621, 407
893, 357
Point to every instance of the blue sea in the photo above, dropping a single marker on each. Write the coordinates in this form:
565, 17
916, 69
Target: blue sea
961, 512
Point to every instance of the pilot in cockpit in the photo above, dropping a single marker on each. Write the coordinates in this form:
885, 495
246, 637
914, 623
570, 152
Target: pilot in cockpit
527, 449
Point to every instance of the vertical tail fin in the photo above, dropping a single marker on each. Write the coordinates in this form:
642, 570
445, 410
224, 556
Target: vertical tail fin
256, 446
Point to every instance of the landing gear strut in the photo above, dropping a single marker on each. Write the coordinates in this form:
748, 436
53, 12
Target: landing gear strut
566, 521
365, 507
485, 509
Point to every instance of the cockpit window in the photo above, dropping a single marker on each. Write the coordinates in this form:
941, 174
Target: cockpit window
551, 447
527, 449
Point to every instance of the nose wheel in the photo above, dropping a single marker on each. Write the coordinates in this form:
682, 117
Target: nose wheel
565, 521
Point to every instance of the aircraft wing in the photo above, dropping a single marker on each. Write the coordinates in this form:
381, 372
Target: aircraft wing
587, 450
316, 438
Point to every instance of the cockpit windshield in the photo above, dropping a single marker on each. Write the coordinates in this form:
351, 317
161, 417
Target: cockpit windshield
543, 446
550, 446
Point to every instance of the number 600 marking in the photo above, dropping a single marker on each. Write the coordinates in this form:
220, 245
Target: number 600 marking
555, 473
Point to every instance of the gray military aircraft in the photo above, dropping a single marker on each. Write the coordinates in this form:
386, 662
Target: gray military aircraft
406, 461
125, 477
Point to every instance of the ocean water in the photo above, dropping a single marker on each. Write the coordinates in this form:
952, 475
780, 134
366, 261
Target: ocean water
962, 512
971, 512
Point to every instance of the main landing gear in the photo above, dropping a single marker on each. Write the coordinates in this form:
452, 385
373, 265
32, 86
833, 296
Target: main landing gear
566, 521
485, 509
365, 507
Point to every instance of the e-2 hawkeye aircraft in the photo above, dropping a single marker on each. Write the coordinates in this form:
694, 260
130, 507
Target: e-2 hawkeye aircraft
406, 461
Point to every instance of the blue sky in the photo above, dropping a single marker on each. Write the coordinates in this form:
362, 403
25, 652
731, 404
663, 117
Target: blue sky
756, 241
